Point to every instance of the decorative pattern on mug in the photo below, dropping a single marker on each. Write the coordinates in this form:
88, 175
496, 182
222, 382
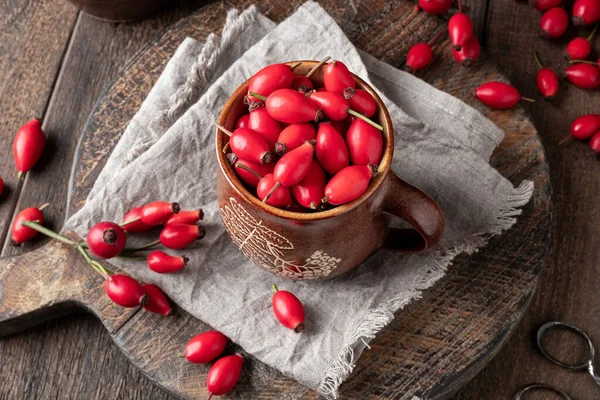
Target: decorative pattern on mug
269, 249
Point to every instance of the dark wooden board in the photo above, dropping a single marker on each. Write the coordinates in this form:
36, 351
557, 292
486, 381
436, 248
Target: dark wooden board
458, 330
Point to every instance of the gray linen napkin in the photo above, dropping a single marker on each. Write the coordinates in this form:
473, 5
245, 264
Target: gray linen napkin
443, 147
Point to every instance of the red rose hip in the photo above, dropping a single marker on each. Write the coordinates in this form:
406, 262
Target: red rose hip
337, 77
261, 122
586, 12
161, 262
288, 309
293, 136
224, 374
205, 347
595, 142
157, 300
349, 184
498, 95
543, 5
294, 165
547, 81
310, 190
242, 121
585, 76
460, 29
21, 233
585, 126
365, 143
249, 145
418, 57
435, 7
302, 84
28, 145
125, 291
158, 212
554, 23
186, 217
178, 236
106, 239
291, 107
250, 172
269, 79
331, 149
272, 193
361, 101
132, 221
469, 53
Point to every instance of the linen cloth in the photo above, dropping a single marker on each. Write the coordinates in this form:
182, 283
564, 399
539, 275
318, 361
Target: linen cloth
442, 146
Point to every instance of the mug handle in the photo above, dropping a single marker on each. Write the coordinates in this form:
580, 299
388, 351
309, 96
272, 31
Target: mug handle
410, 204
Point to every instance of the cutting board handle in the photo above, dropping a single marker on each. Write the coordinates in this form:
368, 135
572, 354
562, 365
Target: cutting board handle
52, 281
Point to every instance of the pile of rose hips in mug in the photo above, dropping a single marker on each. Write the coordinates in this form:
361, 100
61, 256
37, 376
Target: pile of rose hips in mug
553, 25
304, 148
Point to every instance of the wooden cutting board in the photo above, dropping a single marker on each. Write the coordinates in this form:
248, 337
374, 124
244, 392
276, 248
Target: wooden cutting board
433, 346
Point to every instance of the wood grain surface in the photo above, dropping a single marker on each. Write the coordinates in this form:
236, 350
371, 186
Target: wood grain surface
48, 361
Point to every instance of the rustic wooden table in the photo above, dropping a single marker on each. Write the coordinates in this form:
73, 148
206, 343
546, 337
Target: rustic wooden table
56, 63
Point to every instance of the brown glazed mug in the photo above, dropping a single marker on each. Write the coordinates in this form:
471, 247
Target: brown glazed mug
324, 244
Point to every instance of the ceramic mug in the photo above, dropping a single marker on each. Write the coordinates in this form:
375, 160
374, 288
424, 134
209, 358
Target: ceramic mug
321, 245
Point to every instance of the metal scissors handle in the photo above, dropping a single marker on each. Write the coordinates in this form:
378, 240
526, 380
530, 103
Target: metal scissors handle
588, 364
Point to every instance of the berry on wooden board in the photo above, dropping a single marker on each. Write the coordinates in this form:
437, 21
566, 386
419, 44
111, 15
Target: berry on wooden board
28, 145
125, 291
157, 301
205, 347
224, 374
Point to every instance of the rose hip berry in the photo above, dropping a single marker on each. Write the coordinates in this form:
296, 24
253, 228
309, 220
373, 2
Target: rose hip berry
28, 145
554, 23
224, 374
132, 221
161, 262
205, 347
595, 142
157, 300
249, 145
293, 136
288, 309
498, 95
22, 233
261, 122
337, 77
361, 101
365, 143
543, 5
348, 184
186, 217
1, 186
418, 57
106, 239
336, 107
547, 81
585, 126
125, 291
294, 165
157, 212
302, 84
272, 193
585, 76
310, 190
331, 149
435, 7
469, 53
269, 79
586, 12
460, 28
178, 236
242, 121
291, 107
250, 172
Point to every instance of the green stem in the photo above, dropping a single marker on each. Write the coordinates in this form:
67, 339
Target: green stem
591, 37
275, 288
20, 174
45, 231
258, 96
94, 264
181, 355
223, 129
144, 247
583, 62
247, 168
536, 57
316, 67
131, 221
359, 115
273, 189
